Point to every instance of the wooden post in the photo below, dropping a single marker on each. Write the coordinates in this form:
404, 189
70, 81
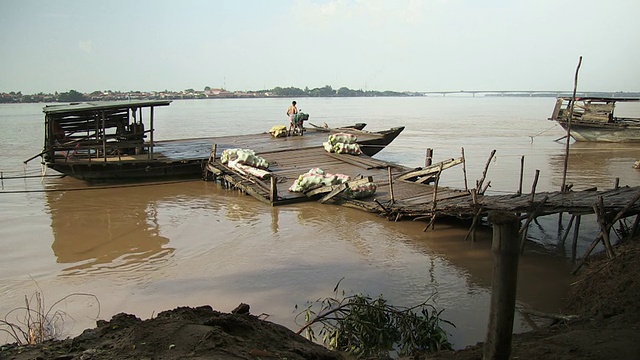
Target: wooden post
484, 173
464, 170
532, 216
569, 118
151, 141
566, 233
478, 211
521, 174
274, 190
429, 158
390, 184
634, 228
601, 216
574, 243
435, 189
616, 183
505, 249
533, 186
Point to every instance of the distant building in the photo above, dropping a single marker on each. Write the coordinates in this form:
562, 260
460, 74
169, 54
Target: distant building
217, 93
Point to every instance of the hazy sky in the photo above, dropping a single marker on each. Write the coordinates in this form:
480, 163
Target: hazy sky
401, 45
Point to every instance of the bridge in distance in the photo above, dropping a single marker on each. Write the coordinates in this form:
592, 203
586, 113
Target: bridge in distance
541, 93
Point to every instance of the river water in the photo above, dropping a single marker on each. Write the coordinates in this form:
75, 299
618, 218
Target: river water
145, 249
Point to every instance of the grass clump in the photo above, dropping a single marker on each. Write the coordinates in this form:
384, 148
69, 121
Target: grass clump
34, 323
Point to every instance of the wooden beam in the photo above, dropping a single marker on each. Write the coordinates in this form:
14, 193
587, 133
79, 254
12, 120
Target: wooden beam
430, 171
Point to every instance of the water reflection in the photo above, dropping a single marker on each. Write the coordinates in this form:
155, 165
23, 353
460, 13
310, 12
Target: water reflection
597, 164
106, 229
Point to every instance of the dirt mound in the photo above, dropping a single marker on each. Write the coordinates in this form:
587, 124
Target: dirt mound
605, 296
178, 334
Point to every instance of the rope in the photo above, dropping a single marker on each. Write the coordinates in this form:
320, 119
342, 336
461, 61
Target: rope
543, 131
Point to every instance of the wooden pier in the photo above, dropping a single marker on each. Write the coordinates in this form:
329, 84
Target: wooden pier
414, 194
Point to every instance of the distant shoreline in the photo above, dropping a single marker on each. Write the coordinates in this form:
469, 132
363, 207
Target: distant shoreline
74, 96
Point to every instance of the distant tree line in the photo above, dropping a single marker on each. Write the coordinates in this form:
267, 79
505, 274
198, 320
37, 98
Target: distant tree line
76, 96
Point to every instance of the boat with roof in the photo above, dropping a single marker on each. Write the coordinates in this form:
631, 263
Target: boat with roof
107, 141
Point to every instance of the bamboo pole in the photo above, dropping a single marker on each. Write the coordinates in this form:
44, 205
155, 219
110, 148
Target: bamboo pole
566, 152
503, 285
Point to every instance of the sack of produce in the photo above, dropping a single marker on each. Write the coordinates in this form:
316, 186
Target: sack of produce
278, 131
361, 191
316, 178
342, 138
343, 148
244, 156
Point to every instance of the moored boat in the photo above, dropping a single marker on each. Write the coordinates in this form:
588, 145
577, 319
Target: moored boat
105, 141
595, 119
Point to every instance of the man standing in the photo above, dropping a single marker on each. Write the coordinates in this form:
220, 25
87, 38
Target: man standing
292, 110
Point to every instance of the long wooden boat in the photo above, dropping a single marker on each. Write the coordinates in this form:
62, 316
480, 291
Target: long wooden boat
594, 119
105, 141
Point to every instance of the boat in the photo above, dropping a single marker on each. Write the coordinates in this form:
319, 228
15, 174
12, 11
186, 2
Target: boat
105, 141
595, 119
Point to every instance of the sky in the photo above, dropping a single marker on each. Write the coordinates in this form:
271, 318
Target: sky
243, 45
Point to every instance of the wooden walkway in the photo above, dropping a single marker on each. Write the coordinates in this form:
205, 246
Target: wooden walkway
405, 198
405, 193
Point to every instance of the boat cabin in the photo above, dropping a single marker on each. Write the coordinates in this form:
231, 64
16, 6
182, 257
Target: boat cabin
99, 130
590, 110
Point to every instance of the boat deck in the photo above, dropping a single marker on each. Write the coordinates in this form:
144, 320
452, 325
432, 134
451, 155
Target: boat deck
200, 148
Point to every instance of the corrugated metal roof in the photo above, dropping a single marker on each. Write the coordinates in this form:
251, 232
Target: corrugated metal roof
102, 105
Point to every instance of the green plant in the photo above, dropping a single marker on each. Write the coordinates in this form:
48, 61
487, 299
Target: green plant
33, 323
365, 326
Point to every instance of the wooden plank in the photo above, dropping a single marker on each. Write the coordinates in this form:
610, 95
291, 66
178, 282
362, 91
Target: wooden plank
338, 190
432, 170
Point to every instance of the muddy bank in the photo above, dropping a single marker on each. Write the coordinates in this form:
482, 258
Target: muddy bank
604, 296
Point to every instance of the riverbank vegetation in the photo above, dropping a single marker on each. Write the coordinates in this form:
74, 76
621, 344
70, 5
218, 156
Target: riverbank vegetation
206, 93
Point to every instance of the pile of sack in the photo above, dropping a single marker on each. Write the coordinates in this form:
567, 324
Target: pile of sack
361, 191
244, 157
317, 178
342, 143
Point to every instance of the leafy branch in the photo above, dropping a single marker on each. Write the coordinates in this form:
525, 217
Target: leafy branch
365, 326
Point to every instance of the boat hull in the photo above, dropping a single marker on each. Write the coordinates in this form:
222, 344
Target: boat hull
187, 158
125, 171
603, 132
